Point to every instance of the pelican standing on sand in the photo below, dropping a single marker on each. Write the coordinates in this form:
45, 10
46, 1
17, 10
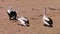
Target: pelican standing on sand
11, 13
48, 21
24, 21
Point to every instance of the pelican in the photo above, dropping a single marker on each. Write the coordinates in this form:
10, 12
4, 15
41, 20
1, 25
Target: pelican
23, 20
11, 13
48, 21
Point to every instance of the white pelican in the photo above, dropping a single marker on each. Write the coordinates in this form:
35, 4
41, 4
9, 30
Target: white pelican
23, 20
48, 21
11, 13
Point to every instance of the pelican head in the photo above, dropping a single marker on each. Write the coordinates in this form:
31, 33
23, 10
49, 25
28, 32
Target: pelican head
44, 9
9, 7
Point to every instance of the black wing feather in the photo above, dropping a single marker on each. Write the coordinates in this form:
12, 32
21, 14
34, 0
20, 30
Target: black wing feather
50, 21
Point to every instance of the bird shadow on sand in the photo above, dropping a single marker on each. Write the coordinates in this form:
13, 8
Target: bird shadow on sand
48, 26
24, 25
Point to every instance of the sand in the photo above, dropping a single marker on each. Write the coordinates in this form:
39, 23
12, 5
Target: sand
33, 10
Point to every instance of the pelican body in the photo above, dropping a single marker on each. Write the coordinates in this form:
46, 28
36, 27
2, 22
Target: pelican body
24, 21
47, 21
11, 13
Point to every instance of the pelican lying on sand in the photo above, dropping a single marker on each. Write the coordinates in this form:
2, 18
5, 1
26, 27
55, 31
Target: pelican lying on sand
23, 20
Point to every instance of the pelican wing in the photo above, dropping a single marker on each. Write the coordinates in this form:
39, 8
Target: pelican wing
50, 21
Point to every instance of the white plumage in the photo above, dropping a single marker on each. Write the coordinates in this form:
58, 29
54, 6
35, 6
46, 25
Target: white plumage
9, 9
23, 20
48, 21
45, 18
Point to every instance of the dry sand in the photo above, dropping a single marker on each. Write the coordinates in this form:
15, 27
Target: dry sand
30, 9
